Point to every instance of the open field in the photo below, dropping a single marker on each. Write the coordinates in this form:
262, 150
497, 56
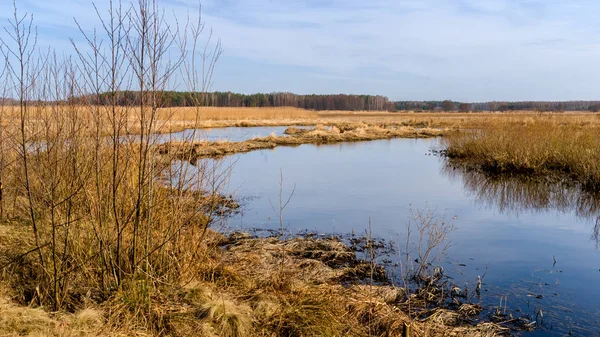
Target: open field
281, 117
176, 119
103, 119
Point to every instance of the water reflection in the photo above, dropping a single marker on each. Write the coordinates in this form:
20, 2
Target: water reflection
516, 194
233, 134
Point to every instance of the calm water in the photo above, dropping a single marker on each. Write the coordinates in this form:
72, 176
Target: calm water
514, 228
233, 134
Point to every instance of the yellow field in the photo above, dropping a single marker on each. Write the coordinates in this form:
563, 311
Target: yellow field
212, 113
177, 118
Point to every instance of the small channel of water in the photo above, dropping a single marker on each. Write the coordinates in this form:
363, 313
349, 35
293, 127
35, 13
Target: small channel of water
233, 134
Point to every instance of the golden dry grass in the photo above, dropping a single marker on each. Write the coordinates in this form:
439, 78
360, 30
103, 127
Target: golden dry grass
250, 287
177, 113
293, 289
18, 320
542, 145
214, 113
166, 119
179, 118
428, 119
459, 120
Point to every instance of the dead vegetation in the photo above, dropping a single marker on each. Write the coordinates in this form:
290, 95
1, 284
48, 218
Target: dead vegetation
248, 117
346, 132
246, 286
536, 146
260, 287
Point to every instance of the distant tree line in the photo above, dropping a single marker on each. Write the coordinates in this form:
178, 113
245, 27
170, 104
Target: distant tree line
277, 99
326, 102
448, 105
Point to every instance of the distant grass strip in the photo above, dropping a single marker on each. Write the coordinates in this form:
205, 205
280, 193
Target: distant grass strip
534, 147
295, 137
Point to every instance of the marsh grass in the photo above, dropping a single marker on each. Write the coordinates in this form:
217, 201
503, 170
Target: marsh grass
336, 133
214, 113
536, 146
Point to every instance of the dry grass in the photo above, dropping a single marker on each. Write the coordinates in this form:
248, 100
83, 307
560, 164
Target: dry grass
178, 118
26, 321
533, 146
217, 114
345, 132
253, 287
173, 119
421, 120
458, 120
294, 289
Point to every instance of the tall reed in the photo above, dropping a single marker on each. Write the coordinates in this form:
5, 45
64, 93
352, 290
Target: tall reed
536, 146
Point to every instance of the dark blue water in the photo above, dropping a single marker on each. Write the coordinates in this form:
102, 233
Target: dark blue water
513, 229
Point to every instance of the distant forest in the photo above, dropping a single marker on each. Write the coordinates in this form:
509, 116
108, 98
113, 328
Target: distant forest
278, 99
327, 102
447, 105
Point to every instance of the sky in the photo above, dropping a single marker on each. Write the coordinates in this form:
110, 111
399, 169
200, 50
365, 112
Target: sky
464, 50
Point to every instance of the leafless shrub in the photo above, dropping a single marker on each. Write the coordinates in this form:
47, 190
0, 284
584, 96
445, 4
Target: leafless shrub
106, 211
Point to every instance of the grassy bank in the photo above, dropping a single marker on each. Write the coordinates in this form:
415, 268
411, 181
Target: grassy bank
248, 286
346, 132
538, 146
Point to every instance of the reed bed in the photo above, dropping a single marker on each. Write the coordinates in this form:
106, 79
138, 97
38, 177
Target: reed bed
534, 146
455, 120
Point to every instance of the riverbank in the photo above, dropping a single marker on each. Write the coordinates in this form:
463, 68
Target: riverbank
249, 286
347, 132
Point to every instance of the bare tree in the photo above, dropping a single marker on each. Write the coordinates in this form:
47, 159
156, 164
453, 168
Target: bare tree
22, 66
100, 209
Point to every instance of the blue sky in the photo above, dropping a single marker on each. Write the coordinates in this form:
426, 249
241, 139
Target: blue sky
467, 50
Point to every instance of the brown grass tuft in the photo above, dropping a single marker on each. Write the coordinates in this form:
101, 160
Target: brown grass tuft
228, 318
319, 135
